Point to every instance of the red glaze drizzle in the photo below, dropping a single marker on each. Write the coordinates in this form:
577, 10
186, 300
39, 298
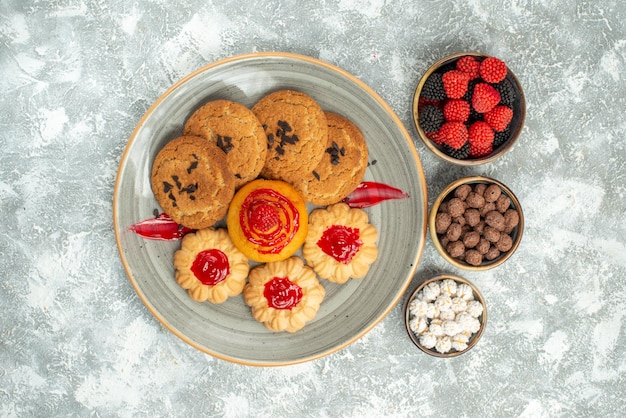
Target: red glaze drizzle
370, 193
282, 293
162, 227
269, 220
211, 267
340, 242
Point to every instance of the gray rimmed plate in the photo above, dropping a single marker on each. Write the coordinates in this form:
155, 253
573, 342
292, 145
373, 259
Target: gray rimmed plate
228, 331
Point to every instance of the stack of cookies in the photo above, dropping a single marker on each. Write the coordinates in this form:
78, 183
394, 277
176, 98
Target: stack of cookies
224, 145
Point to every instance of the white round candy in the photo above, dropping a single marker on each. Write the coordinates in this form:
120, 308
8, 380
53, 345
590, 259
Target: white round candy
451, 328
464, 291
448, 287
448, 315
418, 324
431, 291
474, 308
418, 307
444, 344
432, 311
458, 304
443, 302
428, 340
436, 327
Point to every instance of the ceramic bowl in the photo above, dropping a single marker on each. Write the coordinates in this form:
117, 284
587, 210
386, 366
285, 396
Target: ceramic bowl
515, 126
438, 239
228, 331
463, 334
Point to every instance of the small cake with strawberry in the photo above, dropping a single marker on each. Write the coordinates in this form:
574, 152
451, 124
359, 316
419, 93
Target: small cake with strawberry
467, 106
267, 220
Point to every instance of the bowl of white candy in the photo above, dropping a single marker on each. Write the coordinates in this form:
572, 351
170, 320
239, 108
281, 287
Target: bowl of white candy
445, 316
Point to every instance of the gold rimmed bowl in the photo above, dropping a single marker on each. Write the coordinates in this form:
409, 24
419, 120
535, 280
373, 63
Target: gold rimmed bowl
445, 316
476, 215
503, 140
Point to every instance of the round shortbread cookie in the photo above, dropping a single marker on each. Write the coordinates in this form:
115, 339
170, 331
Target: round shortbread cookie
341, 243
192, 182
297, 133
283, 295
209, 266
342, 167
236, 130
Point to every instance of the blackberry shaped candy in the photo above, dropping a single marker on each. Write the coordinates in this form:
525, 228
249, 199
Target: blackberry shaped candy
431, 118
433, 88
460, 154
507, 92
501, 137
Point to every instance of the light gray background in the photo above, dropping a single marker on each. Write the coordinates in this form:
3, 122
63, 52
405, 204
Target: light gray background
77, 75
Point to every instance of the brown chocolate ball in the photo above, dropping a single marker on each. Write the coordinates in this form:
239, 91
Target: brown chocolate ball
462, 191
454, 232
472, 217
483, 246
511, 218
495, 219
503, 203
505, 243
491, 234
460, 220
442, 222
487, 208
492, 254
444, 241
480, 188
443, 207
456, 207
492, 193
470, 239
455, 249
480, 227
473, 257
475, 200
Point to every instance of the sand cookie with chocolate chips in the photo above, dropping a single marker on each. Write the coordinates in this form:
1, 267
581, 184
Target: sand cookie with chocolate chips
342, 167
236, 130
192, 182
297, 132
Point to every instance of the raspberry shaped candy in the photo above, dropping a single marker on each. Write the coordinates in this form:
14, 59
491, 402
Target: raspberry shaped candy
456, 110
470, 65
453, 134
480, 136
455, 83
485, 98
492, 70
499, 117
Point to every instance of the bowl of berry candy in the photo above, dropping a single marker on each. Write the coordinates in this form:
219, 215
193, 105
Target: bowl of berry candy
469, 108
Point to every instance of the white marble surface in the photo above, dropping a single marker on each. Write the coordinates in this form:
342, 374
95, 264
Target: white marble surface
75, 340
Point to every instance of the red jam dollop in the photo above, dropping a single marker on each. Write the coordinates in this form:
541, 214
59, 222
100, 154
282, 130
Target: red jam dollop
282, 293
340, 242
211, 267
269, 220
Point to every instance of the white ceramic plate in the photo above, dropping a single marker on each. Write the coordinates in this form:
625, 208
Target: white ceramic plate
228, 331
